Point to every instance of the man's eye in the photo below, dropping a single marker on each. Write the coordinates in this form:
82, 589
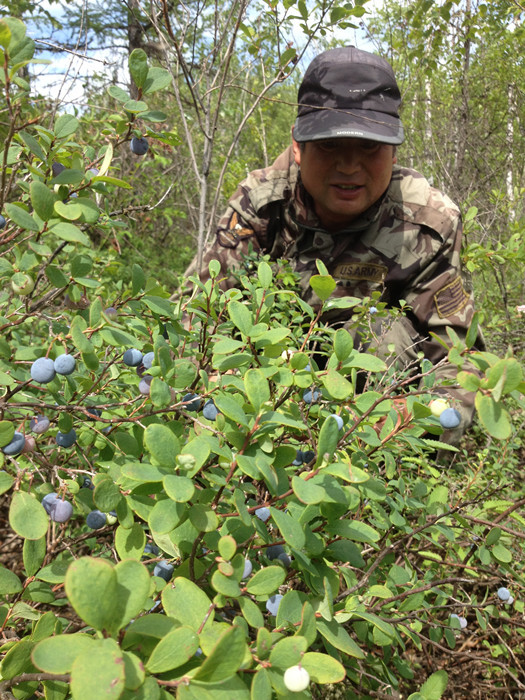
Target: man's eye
327, 146
370, 146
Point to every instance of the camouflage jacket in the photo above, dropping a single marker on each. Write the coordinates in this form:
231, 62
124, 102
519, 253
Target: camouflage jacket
407, 246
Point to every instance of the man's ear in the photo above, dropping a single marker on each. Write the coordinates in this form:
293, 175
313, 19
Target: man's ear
296, 148
394, 155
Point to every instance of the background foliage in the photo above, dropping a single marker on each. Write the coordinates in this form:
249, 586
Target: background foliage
385, 548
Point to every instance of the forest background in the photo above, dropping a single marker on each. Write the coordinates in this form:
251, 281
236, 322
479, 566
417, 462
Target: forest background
393, 560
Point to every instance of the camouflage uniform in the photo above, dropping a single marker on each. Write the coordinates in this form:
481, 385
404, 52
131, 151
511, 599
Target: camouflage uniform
407, 246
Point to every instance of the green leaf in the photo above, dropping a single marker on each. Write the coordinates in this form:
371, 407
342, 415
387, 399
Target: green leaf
435, 685
157, 79
186, 602
42, 199
178, 488
9, 582
130, 541
133, 585
261, 688
175, 649
21, 217
493, 417
337, 386
328, 438
251, 612
69, 232
7, 432
241, 316
231, 409
225, 658
57, 654
6, 481
256, 387
337, 636
343, 344
370, 363
306, 491
203, 518
34, 552
138, 66
70, 210
106, 495
323, 668
288, 652
65, 125
355, 530
289, 527
162, 444
135, 106
99, 674
27, 516
266, 580
323, 286
93, 590
164, 516
118, 93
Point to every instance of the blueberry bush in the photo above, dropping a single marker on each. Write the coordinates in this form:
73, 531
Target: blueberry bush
220, 496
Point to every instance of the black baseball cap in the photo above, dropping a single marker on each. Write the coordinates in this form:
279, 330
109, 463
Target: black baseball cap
349, 93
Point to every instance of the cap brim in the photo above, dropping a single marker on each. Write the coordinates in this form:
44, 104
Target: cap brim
357, 124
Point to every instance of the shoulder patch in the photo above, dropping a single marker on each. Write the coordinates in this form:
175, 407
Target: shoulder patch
451, 298
230, 237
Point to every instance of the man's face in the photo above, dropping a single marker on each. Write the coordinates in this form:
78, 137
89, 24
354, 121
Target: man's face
344, 176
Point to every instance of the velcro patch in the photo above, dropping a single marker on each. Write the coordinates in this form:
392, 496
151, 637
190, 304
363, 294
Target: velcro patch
451, 298
230, 237
360, 271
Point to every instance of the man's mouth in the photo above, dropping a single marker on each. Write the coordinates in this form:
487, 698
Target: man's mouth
348, 187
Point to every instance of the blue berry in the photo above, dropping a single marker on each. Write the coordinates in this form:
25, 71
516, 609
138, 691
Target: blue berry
263, 514
274, 551
311, 395
2, 221
43, 370
16, 445
58, 510
273, 602
299, 458
147, 360
132, 357
210, 410
503, 593
163, 569
248, 568
308, 456
39, 424
372, 310
95, 520
338, 419
450, 418
66, 439
139, 145
65, 364
192, 402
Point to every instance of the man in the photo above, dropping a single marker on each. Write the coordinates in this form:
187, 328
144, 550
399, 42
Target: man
338, 195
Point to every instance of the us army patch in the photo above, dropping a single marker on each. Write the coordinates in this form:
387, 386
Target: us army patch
451, 298
360, 271
230, 237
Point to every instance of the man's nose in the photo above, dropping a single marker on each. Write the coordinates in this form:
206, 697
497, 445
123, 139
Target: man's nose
348, 160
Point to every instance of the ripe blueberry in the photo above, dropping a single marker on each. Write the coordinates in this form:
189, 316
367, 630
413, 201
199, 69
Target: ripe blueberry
43, 370
450, 418
16, 445
132, 357
65, 364
139, 146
